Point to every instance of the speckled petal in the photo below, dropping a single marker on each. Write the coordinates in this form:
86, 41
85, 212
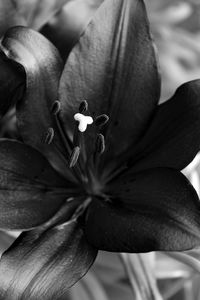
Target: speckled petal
155, 210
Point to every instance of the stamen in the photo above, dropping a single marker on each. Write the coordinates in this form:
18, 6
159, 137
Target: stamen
49, 136
78, 213
55, 109
70, 199
83, 121
101, 120
74, 157
80, 210
83, 106
100, 143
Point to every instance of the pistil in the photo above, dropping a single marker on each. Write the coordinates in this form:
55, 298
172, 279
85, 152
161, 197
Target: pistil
83, 121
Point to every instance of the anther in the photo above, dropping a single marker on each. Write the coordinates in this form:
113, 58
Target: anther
83, 106
55, 109
49, 136
101, 120
70, 199
100, 143
74, 156
83, 121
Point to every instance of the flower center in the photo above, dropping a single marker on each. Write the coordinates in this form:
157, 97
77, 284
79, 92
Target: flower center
79, 140
83, 154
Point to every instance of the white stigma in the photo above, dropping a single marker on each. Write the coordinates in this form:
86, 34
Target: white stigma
83, 121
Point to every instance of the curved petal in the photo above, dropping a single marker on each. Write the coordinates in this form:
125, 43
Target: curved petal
65, 28
173, 138
43, 68
12, 83
44, 264
114, 68
30, 190
153, 210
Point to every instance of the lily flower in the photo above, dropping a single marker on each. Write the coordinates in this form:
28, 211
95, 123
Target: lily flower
99, 166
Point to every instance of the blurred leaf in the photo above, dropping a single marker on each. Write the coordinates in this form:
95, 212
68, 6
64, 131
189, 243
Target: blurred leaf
90, 288
176, 28
6, 241
110, 278
65, 28
190, 258
109, 272
141, 277
9, 16
32, 13
169, 12
38, 12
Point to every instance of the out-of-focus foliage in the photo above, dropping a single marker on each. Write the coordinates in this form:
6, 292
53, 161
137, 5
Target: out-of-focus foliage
61, 21
32, 13
65, 27
176, 30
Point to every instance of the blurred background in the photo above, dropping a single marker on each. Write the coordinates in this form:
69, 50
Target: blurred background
176, 29
175, 26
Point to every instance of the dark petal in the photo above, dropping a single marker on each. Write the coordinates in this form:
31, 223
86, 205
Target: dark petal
44, 264
12, 83
65, 28
113, 67
38, 12
30, 190
43, 68
153, 210
173, 138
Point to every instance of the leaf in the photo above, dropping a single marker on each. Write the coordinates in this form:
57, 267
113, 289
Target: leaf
66, 27
38, 12
6, 241
190, 258
141, 276
9, 16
